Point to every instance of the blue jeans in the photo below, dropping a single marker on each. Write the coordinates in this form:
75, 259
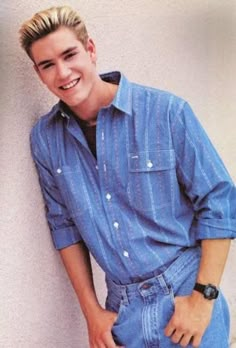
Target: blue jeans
145, 308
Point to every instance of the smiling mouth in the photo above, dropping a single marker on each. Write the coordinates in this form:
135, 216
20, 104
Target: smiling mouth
70, 85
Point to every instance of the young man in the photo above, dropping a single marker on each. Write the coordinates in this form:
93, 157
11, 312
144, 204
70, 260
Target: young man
128, 174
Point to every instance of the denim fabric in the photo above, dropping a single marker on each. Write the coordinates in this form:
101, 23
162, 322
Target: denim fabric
156, 188
144, 309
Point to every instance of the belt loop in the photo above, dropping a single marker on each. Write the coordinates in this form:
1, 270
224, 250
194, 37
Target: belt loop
124, 293
165, 287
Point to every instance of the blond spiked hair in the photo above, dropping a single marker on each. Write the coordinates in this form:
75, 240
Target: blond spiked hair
48, 21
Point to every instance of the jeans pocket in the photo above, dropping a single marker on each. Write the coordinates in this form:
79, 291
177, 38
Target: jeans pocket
115, 304
121, 310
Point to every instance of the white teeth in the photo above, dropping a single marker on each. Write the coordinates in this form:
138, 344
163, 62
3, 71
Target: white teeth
70, 85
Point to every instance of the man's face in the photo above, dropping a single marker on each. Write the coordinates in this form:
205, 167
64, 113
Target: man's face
65, 66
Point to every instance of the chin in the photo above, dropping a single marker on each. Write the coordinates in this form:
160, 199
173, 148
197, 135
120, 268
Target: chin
76, 101
72, 104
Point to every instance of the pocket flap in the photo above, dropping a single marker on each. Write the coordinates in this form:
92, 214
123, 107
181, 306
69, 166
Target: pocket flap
148, 161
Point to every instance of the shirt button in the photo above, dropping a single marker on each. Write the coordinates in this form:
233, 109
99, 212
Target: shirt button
125, 253
108, 196
64, 115
149, 164
116, 225
59, 170
96, 166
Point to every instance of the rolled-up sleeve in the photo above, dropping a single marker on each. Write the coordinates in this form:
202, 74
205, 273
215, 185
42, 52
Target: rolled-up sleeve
63, 230
203, 178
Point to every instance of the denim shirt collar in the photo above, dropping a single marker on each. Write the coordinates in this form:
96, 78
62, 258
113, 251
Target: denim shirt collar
123, 97
122, 100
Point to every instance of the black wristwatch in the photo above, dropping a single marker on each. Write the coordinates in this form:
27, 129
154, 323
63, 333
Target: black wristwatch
209, 291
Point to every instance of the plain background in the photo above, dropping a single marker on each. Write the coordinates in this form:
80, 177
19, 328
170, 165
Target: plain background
185, 46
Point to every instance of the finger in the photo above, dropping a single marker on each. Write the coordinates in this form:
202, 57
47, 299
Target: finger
196, 341
176, 337
185, 340
169, 330
99, 345
109, 341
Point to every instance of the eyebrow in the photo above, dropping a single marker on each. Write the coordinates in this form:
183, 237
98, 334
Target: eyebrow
47, 61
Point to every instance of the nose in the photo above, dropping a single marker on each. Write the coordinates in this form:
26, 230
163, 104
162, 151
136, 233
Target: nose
63, 71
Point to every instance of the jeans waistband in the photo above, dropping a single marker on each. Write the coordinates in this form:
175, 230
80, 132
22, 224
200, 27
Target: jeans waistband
160, 282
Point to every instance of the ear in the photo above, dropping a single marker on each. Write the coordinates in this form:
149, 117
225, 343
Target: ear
91, 49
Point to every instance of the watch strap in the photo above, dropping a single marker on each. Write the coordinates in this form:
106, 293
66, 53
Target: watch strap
199, 287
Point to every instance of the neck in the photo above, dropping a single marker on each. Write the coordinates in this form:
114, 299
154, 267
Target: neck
101, 96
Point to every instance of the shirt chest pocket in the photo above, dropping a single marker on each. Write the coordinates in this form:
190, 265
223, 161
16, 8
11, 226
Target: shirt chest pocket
72, 188
152, 177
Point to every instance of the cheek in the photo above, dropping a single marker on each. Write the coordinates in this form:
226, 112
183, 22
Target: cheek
49, 83
47, 78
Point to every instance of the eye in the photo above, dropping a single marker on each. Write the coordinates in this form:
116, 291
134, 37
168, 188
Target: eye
70, 55
47, 66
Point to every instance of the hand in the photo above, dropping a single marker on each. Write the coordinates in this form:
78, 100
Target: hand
191, 317
99, 329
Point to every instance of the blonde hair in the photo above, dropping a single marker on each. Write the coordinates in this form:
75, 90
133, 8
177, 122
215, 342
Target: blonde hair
48, 21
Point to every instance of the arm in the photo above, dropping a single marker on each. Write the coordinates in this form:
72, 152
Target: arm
99, 321
193, 313
214, 256
205, 181
67, 239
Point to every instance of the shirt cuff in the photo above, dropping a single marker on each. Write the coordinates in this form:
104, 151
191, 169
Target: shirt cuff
214, 229
65, 237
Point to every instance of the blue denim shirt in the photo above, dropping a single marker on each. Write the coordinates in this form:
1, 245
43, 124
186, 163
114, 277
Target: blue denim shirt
156, 188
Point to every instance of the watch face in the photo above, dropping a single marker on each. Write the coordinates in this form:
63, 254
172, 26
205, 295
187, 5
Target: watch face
210, 292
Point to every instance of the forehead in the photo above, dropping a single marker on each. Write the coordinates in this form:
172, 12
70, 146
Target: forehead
53, 44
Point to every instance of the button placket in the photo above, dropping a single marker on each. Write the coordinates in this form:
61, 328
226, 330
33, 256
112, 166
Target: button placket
108, 195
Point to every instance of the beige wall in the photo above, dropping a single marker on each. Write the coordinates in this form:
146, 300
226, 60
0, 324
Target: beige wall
187, 47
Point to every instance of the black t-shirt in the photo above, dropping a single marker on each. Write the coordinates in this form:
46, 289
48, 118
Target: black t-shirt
90, 135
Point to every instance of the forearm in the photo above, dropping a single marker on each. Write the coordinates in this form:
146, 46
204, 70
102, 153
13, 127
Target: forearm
78, 266
76, 260
193, 313
213, 259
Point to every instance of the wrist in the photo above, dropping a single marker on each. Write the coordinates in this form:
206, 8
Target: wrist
90, 307
199, 300
207, 291
92, 313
